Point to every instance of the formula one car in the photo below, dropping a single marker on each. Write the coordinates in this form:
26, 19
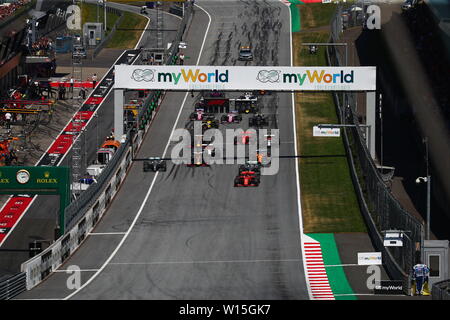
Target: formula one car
200, 114
154, 164
214, 101
213, 93
269, 137
246, 103
258, 121
247, 179
231, 117
244, 138
143, 10
197, 160
252, 166
210, 123
261, 92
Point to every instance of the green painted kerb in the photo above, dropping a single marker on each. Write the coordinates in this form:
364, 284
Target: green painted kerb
295, 15
336, 275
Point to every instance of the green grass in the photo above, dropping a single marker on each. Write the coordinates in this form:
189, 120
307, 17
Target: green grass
314, 15
127, 39
89, 14
328, 196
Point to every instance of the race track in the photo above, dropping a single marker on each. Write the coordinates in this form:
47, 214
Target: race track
39, 221
188, 233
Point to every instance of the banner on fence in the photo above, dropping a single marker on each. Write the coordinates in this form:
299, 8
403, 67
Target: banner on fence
240, 78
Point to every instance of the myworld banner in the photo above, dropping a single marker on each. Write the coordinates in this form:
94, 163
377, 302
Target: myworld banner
241, 78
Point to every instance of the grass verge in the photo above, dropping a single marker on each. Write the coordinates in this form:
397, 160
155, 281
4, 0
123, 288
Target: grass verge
89, 14
314, 15
329, 203
127, 39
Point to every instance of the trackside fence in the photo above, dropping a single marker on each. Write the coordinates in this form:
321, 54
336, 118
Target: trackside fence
379, 207
13, 286
441, 290
82, 215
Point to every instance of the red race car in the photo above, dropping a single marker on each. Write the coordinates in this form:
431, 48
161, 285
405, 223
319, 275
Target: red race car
244, 138
200, 114
247, 179
231, 117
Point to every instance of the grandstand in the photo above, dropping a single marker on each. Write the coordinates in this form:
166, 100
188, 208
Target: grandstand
8, 9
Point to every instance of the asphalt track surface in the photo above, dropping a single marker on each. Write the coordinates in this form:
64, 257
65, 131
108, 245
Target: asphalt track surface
39, 221
188, 233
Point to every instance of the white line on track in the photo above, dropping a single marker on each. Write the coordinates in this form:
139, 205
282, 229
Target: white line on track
82, 270
204, 262
153, 181
345, 265
368, 294
105, 233
297, 175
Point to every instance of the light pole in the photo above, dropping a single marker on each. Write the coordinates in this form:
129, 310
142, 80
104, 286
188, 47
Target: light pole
381, 131
427, 179
104, 14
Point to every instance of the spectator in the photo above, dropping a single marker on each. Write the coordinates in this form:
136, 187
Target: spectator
71, 86
94, 80
63, 92
181, 57
83, 93
8, 117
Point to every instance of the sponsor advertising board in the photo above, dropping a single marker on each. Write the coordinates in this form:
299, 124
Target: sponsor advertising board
326, 132
239, 78
369, 258
388, 287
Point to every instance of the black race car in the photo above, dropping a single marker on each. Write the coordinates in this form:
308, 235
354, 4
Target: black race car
246, 103
253, 166
258, 121
210, 123
154, 164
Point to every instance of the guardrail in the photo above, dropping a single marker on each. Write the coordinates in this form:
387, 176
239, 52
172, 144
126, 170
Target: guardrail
441, 290
83, 214
380, 209
13, 286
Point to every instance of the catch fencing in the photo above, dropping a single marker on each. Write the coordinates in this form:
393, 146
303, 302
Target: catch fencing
381, 211
441, 290
13, 286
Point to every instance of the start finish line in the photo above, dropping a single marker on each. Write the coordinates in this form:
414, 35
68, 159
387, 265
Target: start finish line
245, 78
275, 78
